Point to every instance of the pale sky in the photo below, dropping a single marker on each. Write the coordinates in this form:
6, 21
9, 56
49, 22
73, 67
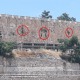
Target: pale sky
34, 8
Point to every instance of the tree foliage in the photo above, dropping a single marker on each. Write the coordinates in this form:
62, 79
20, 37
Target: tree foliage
73, 44
6, 47
60, 40
66, 17
46, 14
73, 41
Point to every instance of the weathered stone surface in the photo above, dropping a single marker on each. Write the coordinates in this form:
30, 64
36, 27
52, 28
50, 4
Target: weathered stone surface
40, 69
9, 24
23, 68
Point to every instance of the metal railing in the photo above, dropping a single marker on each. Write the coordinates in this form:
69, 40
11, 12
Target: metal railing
38, 45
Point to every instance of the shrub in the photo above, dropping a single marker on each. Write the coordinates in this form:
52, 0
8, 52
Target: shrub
6, 47
70, 44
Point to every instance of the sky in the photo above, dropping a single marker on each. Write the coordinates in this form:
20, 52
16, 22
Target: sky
34, 8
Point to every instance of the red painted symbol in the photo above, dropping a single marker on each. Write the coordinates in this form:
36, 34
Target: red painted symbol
44, 33
22, 30
69, 32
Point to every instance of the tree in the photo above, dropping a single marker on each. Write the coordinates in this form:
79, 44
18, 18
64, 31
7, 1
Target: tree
70, 44
60, 40
6, 47
65, 46
73, 41
73, 19
45, 14
66, 17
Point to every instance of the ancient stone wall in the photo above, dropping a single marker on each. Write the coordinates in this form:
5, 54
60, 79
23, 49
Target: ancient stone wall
37, 68
9, 24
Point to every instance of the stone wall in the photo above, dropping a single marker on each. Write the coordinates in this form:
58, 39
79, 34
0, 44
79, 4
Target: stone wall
9, 24
38, 68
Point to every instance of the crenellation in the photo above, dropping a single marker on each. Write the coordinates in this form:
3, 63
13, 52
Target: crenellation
24, 17
59, 20
31, 18
12, 16
19, 17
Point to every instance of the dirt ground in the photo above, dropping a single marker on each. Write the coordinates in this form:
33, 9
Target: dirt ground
32, 53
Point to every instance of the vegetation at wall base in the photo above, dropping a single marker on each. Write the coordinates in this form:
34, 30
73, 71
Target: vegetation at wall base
6, 48
73, 46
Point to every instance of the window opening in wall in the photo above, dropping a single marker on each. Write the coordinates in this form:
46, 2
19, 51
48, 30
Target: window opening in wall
43, 33
0, 35
68, 32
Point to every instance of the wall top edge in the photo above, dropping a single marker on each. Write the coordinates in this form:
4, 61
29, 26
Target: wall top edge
35, 18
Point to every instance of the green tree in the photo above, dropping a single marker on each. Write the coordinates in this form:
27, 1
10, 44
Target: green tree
73, 41
70, 44
45, 14
60, 40
65, 44
6, 47
66, 17
73, 19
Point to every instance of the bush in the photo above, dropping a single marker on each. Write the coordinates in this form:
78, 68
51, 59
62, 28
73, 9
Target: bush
74, 44
73, 41
63, 48
6, 47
